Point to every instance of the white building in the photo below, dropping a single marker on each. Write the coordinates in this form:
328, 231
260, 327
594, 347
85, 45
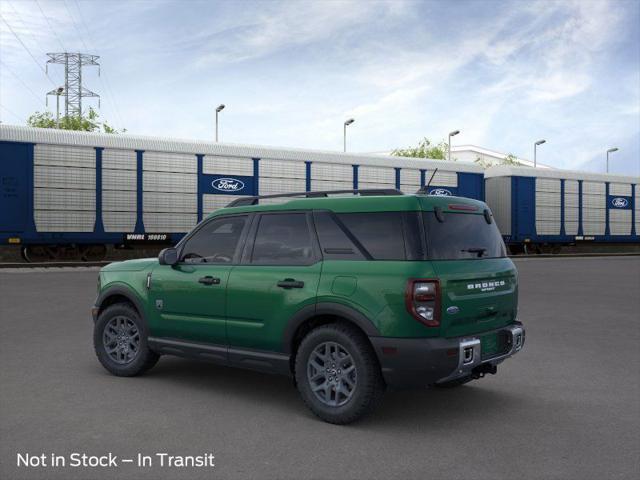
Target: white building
470, 153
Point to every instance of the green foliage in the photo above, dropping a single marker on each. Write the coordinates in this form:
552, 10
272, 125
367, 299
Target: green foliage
86, 123
510, 159
425, 149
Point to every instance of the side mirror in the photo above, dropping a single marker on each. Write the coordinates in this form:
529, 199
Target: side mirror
168, 256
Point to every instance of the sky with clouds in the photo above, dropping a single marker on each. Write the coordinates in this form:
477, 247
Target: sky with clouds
504, 73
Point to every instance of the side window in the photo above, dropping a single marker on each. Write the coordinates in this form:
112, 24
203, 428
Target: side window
283, 239
381, 234
215, 242
334, 241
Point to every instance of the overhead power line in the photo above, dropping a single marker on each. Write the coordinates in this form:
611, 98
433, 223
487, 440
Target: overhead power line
105, 83
75, 26
35, 95
12, 113
27, 49
53, 30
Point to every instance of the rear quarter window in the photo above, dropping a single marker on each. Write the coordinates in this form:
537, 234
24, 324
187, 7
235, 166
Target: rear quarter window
381, 233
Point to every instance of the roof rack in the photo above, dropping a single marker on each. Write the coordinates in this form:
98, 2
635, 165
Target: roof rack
246, 201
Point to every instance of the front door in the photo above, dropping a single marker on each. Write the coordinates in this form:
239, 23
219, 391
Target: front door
279, 275
189, 299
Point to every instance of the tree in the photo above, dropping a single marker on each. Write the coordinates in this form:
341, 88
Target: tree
425, 149
510, 159
88, 123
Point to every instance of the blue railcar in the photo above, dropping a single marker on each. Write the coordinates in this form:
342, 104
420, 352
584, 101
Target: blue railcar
81, 191
549, 208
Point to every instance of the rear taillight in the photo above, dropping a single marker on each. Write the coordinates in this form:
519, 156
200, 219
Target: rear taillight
423, 301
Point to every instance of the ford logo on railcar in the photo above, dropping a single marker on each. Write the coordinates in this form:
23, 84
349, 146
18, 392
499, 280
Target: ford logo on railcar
228, 184
619, 202
443, 192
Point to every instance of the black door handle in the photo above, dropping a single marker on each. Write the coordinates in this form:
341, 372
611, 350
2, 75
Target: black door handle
290, 283
209, 280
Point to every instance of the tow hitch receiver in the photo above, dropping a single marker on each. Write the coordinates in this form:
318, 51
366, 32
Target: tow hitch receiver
481, 370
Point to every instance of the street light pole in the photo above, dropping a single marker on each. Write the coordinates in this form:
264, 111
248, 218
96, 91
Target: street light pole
344, 137
611, 150
535, 152
58, 93
218, 110
451, 134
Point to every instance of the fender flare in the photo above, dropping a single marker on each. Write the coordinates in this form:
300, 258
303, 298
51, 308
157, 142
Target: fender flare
326, 308
123, 291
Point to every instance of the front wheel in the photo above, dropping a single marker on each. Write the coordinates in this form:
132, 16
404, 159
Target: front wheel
120, 341
337, 373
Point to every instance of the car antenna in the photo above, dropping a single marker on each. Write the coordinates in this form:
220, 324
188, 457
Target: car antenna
425, 189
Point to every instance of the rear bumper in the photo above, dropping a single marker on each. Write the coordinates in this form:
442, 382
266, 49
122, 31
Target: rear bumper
419, 362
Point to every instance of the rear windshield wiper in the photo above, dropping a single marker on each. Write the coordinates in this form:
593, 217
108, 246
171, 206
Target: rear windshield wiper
479, 250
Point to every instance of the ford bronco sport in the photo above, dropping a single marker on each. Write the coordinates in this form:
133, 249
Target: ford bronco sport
346, 294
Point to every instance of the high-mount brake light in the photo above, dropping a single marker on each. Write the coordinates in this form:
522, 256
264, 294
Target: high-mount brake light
422, 299
462, 207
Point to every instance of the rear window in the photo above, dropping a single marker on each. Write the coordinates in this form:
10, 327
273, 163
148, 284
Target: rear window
462, 236
283, 239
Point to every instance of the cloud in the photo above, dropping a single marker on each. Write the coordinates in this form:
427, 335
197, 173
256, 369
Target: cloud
291, 72
259, 32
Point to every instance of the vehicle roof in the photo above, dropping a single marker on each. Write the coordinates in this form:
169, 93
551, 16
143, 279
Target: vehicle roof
356, 203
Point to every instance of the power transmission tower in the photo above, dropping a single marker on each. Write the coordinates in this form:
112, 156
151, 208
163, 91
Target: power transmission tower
73, 91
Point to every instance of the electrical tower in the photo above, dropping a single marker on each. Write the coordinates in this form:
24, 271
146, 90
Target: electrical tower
73, 90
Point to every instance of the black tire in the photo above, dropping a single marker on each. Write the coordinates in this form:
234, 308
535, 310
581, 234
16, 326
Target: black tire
142, 360
369, 384
458, 382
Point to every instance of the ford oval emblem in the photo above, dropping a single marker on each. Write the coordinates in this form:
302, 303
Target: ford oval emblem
442, 192
228, 184
453, 310
619, 202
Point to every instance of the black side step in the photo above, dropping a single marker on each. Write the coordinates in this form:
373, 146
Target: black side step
260, 360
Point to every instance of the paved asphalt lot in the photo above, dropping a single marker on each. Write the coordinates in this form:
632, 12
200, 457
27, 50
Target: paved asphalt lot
567, 407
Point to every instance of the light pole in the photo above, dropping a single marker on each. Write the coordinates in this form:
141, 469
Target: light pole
218, 110
59, 91
347, 122
451, 134
535, 147
611, 150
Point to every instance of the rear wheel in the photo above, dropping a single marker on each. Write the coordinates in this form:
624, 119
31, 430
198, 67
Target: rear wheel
120, 341
337, 374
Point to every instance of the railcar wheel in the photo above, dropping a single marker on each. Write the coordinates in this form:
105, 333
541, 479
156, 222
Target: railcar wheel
39, 253
93, 253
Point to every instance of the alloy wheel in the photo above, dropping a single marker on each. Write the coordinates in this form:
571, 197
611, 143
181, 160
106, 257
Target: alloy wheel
331, 373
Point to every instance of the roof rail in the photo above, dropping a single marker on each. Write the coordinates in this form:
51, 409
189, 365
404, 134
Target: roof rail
246, 201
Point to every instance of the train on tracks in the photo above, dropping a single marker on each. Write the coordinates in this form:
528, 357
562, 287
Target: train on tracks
70, 195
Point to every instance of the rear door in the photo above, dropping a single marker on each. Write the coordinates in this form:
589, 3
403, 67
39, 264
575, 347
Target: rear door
189, 299
478, 282
279, 275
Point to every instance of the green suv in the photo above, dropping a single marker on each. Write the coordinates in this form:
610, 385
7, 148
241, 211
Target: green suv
346, 294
